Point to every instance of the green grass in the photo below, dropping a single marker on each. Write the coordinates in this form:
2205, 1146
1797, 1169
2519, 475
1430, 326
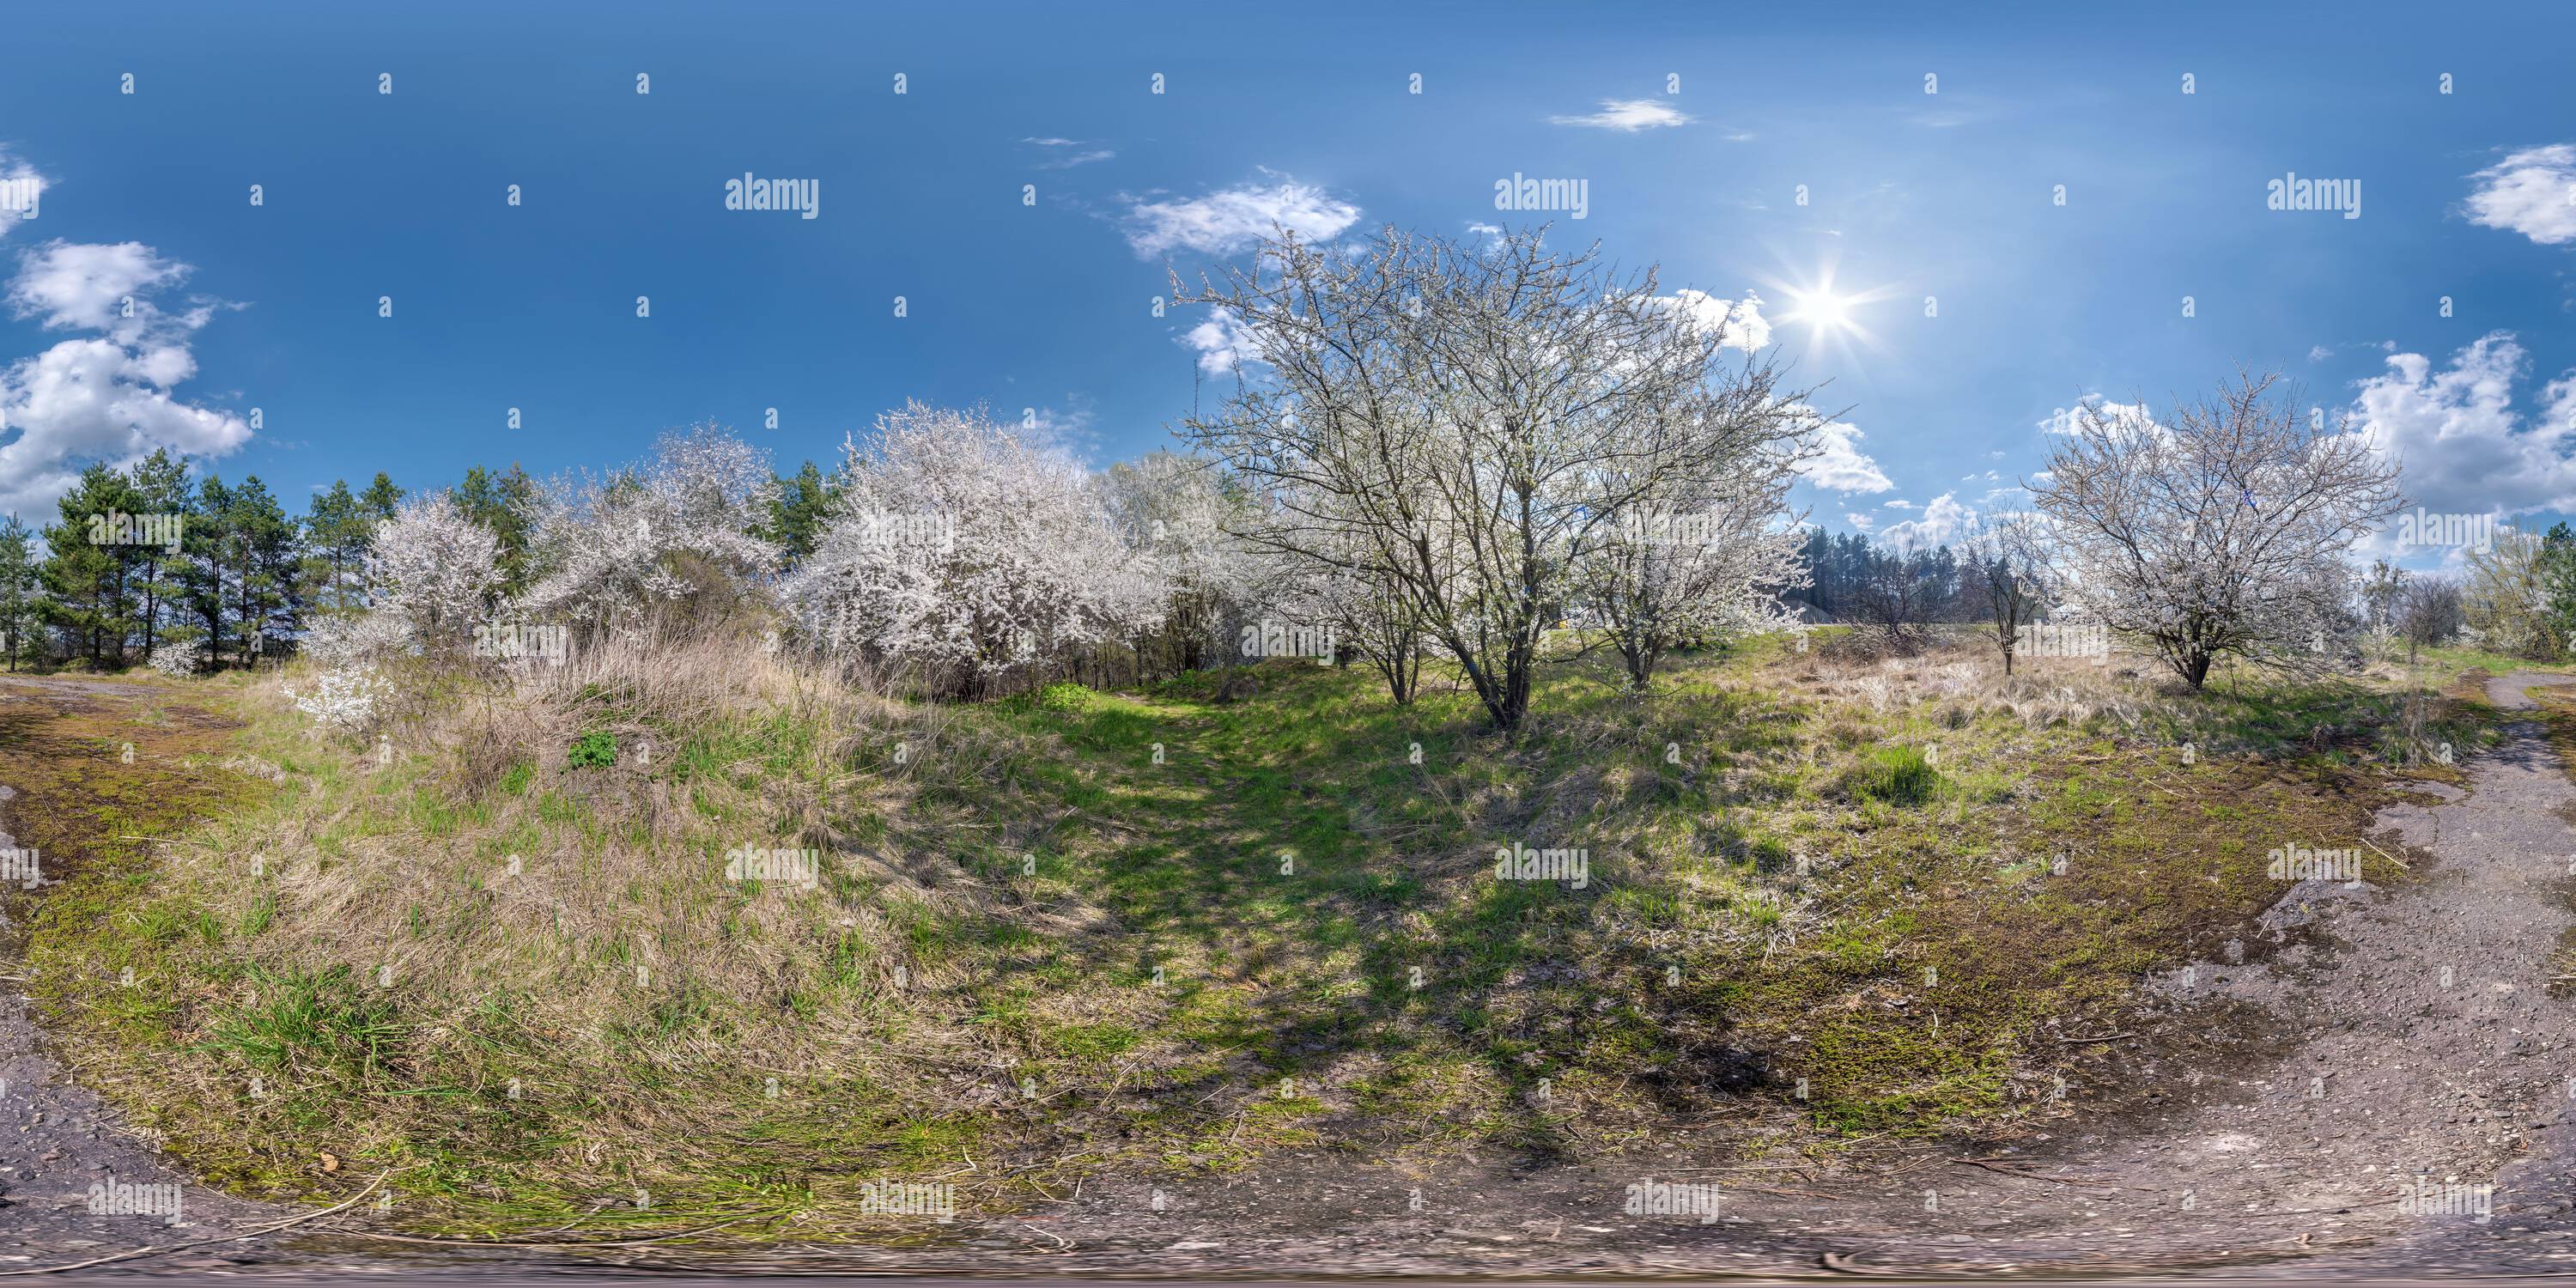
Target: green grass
1150, 908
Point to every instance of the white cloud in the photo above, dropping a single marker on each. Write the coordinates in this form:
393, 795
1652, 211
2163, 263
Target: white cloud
2532, 192
1224, 342
1860, 521
1068, 432
2319, 353
1232, 219
95, 288
1898, 504
1840, 465
103, 397
1742, 319
1944, 519
2133, 417
1628, 114
2464, 448
1066, 160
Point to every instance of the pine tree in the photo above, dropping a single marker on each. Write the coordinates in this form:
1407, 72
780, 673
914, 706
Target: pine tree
204, 566
262, 553
85, 581
336, 529
507, 505
161, 487
380, 498
19, 588
796, 517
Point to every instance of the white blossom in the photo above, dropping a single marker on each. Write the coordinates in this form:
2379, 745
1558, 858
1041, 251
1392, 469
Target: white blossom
959, 546
607, 550
436, 573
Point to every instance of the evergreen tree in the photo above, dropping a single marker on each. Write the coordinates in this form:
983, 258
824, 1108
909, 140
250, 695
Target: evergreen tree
86, 592
380, 498
20, 622
506, 504
161, 487
204, 573
262, 553
796, 516
336, 529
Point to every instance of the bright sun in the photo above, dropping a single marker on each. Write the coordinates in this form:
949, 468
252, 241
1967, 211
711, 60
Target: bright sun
1823, 310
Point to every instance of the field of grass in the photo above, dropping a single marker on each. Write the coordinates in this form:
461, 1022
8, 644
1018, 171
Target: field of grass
497, 952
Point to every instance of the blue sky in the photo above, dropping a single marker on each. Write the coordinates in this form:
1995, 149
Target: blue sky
1048, 306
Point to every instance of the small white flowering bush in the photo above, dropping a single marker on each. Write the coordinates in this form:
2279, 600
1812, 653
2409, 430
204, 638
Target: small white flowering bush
174, 660
344, 697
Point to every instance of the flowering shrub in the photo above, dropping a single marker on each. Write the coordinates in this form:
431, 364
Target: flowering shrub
343, 697
958, 544
174, 660
607, 550
436, 575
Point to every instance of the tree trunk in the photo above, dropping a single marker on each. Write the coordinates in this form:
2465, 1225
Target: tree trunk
2196, 670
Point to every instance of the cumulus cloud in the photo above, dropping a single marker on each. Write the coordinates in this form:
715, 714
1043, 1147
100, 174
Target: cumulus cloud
2532, 192
1628, 115
71, 286
1943, 521
2120, 417
103, 397
1741, 321
1861, 521
1233, 219
2464, 447
1224, 342
1840, 465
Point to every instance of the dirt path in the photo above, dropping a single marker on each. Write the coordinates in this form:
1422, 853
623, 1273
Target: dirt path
57, 1139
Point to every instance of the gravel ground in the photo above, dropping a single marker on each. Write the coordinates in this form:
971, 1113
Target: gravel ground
2403, 1037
